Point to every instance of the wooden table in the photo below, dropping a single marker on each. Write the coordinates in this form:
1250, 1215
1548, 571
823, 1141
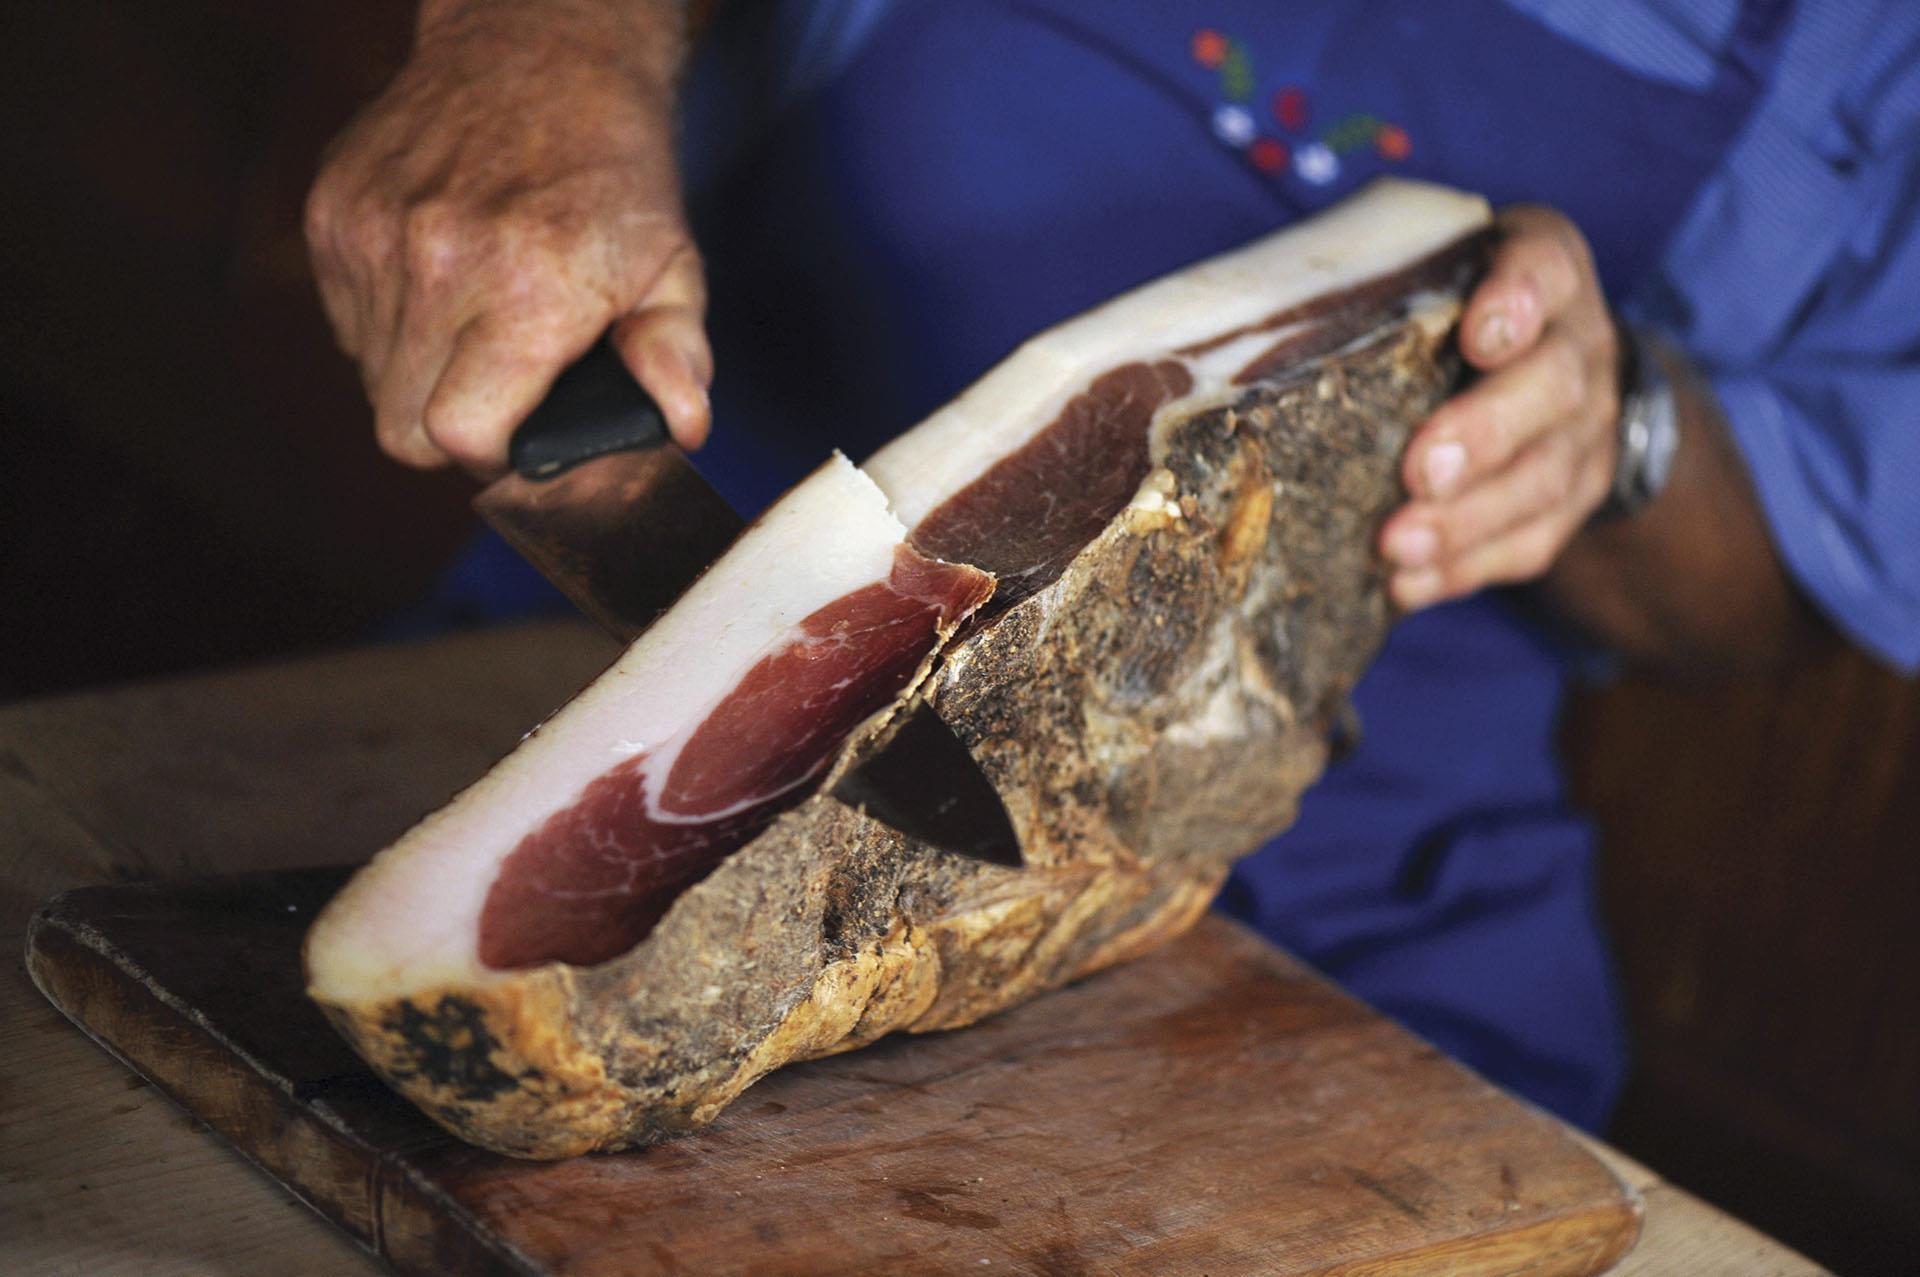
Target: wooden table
280, 767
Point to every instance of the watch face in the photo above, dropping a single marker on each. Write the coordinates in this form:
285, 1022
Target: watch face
1661, 425
1635, 434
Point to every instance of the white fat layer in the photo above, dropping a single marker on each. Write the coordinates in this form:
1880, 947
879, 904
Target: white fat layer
1217, 367
1390, 224
410, 921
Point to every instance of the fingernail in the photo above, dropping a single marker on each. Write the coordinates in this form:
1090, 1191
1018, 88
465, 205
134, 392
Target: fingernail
1412, 545
1413, 590
1495, 334
1443, 466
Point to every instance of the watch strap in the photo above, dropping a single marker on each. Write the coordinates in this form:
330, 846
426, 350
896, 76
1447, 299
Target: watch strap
1648, 428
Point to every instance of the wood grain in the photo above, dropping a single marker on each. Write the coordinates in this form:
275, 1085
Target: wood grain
294, 763
1217, 1109
298, 762
1682, 1234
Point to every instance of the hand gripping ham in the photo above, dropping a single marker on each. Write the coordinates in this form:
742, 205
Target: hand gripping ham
1131, 567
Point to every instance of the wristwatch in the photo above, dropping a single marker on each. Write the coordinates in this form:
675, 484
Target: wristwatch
1649, 428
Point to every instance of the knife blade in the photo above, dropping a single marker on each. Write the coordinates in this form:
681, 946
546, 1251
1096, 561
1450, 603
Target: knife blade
925, 782
610, 510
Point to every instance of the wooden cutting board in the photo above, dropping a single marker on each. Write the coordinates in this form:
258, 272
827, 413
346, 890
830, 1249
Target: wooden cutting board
1214, 1109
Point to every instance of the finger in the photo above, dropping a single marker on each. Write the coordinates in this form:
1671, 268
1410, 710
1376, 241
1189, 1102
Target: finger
437, 293
664, 344
1522, 553
378, 292
498, 373
1556, 473
342, 311
1480, 430
1536, 273
330, 276
409, 373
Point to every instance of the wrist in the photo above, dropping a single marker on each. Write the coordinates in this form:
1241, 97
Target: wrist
647, 38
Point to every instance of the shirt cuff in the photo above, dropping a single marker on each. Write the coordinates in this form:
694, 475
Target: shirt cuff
1828, 558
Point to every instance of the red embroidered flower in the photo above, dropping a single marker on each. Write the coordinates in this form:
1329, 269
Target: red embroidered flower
1393, 142
1268, 155
1290, 108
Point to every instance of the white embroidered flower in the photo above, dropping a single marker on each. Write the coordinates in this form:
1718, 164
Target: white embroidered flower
1317, 164
1233, 125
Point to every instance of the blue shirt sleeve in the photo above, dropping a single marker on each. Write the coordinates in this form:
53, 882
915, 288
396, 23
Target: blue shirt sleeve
1797, 289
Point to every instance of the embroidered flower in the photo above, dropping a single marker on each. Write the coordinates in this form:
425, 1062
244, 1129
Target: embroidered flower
1233, 125
1290, 108
1316, 163
1269, 155
1209, 48
1226, 55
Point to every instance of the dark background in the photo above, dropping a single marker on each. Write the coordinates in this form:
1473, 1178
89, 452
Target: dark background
190, 480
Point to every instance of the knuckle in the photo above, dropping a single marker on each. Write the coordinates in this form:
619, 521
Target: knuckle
437, 238
528, 233
367, 224
366, 207
533, 285
541, 337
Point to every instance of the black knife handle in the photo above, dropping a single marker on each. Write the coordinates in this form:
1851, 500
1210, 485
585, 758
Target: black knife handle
595, 407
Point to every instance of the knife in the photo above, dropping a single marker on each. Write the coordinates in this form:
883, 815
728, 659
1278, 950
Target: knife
602, 502
610, 510
923, 781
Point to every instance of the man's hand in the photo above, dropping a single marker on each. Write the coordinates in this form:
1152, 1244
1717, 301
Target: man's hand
1505, 474
508, 198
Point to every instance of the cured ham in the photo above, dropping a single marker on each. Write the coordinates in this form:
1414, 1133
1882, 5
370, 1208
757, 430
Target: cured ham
1131, 567
707, 728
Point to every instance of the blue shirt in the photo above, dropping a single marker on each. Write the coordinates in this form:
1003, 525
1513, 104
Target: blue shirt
1793, 281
